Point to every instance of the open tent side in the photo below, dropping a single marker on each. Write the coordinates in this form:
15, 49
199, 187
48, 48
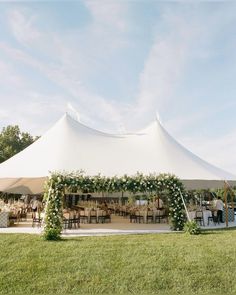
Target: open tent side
58, 183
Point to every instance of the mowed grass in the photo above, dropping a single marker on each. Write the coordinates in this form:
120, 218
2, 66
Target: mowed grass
173, 263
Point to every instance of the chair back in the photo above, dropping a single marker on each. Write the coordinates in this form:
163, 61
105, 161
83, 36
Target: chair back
93, 213
199, 214
149, 213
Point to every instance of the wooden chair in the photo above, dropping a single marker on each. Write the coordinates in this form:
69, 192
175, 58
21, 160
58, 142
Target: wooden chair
139, 217
107, 217
150, 216
23, 215
158, 216
37, 221
65, 223
199, 217
83, 217
212, 218
74, 220
13, 218
164, 215
93, 216
132, 217
101, 217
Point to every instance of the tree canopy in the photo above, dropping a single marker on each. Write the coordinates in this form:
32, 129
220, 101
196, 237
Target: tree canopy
13, 141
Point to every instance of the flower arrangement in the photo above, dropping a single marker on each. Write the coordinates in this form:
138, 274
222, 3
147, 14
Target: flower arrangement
78, 181
192, 228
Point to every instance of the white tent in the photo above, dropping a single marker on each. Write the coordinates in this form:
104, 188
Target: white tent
71, 146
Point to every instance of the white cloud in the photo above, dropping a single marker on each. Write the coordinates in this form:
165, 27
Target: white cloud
67, 68
79, 53
182, 37
102, 110
9, 77
164, 67
21, 25
108, 13
36, 115
218, 151
178, 124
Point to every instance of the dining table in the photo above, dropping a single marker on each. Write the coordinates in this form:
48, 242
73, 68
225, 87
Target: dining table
206, 214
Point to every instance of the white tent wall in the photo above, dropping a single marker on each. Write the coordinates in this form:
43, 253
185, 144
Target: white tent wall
71, 146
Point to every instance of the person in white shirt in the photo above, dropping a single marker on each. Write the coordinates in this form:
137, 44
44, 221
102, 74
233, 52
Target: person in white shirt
219, 205
34, 207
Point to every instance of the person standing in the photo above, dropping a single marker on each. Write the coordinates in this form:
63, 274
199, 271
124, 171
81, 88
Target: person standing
219, 205
34, 207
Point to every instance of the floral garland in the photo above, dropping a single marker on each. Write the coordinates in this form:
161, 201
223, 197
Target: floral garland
73, 182
53, 210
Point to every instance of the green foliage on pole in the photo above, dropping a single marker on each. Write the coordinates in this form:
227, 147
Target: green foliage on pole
53, 209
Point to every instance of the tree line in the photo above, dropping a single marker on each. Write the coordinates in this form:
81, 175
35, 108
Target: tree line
13, 141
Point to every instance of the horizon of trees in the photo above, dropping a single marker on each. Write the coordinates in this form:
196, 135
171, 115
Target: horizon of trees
13, 141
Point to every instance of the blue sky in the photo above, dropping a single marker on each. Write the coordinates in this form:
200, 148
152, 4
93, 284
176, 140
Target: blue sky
120, 62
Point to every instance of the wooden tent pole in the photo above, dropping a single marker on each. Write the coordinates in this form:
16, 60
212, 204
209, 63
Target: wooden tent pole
185, 207
226, 205
232, 201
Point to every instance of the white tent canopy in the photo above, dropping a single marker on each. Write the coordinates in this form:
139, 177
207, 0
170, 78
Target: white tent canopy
71, 146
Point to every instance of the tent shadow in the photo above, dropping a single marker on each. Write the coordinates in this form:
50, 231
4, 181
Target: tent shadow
217, 231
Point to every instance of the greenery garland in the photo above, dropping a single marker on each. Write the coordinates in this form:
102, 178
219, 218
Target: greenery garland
57, 183
53, 209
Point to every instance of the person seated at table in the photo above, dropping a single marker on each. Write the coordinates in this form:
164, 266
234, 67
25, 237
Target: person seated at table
159, 203
104, 206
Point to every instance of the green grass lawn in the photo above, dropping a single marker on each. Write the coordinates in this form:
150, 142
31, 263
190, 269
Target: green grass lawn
173, 263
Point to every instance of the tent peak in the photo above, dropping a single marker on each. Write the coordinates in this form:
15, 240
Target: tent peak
74, 122
73, 112
69, 118
158, 118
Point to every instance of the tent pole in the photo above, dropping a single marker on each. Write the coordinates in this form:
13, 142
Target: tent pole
226, 205
184, 205
232, 197
232, 201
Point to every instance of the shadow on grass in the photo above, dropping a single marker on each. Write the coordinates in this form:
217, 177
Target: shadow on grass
217, 230
204, 231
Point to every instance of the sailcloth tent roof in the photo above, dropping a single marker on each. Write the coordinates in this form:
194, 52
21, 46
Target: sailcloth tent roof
71, 146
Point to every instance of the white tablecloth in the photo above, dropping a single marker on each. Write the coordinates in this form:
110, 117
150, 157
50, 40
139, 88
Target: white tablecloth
155, 213
97, 213
206, 214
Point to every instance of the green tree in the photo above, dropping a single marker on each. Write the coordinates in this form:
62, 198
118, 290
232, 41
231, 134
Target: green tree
12, 141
